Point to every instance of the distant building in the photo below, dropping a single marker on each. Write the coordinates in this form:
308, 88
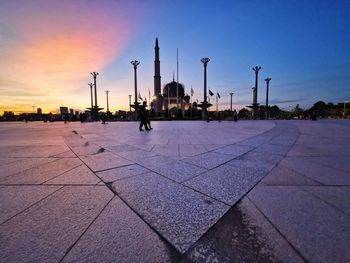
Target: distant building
63, 110
39, 111
71, 111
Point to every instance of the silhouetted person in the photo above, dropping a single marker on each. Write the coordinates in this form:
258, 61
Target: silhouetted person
313, 115
66, 118
235, 116
148, 119
143, 116
103, 118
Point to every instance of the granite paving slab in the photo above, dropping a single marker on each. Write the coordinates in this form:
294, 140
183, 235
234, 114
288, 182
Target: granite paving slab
7, 160
234, 150
178, 213
22, 165
15, 199
45, 231
226, 183
67, 154
36, 151
186, 150
209, 160
119, 235
121, 148
103, 161
80, 175
135, 155
337, 196
42, 173
317, 230
243, 235
122, 172
318, 172
281, 175
166, 150
176, 170
88, 149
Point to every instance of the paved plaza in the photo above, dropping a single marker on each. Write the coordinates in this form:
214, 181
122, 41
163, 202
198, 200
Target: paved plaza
187, 191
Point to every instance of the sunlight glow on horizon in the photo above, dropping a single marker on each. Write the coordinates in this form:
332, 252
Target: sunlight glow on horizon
50, 49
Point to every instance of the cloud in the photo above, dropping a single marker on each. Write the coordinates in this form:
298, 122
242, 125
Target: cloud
50, 47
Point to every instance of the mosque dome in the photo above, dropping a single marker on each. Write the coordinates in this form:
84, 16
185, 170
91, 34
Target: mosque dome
172, 90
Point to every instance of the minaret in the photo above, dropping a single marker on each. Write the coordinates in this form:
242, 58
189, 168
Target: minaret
157, 77
156, 69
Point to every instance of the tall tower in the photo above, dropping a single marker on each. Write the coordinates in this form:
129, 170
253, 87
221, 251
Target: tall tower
157, 84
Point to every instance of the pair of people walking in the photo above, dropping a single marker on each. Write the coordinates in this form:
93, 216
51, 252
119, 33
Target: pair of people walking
144, 118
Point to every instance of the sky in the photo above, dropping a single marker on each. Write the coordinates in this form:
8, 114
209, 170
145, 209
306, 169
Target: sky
49, 47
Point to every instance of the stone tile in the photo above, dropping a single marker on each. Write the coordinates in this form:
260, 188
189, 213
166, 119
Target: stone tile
251, 164
272, 149
211, 147
121, 148
308, 150
36, 151
286, 140
233, 149
166, 149
42, 173
45, 232
15, 199
136, 154
340, 163
254, 141
7, 160
67, 154
281, 175
103, 161
317, 172
186, 150
78, 175
119, 234
88, 149
263, 159
242, 235
336, 196
178, 213
22, 165
209, 160
174, 169
318, 231
121, 172
226, 183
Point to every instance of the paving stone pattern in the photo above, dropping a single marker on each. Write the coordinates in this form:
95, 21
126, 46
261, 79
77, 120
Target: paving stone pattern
186, 191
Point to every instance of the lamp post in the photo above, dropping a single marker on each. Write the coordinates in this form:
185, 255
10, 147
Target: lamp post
231, 94
92, 104
135, 63
94, 75
267, 98
255, 97
205, 103
107, 91
129, 102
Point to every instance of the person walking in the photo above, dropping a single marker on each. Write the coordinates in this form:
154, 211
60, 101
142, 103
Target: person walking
143, 116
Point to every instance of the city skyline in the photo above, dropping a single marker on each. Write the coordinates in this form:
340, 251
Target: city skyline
49, 49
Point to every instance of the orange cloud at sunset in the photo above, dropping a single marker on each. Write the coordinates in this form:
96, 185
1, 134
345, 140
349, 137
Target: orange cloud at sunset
50, 48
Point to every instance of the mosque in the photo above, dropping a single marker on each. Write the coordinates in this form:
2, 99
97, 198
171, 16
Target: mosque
169, 99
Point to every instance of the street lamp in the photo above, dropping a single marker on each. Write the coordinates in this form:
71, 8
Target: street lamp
92, 104
135, 63
231, 94
94, 75
107, 91
267, 98
255, 97
204, 108
129, 102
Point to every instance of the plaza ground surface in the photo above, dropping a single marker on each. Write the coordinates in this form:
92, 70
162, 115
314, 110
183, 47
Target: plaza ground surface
251, 191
